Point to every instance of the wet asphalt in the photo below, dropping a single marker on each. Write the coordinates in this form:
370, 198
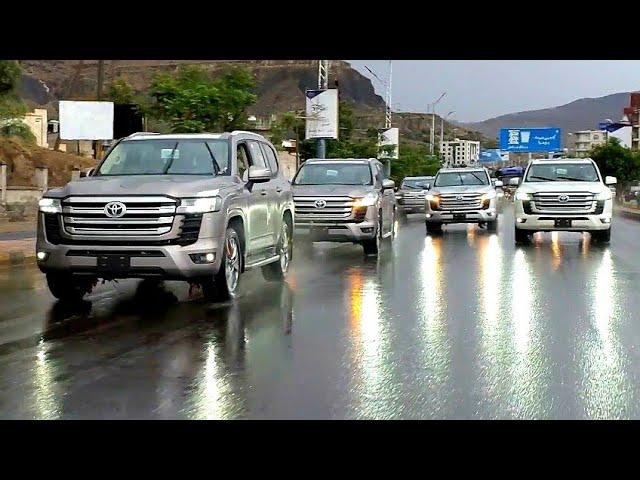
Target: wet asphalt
459, 326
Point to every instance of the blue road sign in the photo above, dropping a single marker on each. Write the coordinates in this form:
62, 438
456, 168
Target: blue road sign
490, 155
530, 139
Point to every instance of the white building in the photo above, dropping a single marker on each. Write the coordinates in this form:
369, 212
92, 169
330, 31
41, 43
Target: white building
585, 140
459, 153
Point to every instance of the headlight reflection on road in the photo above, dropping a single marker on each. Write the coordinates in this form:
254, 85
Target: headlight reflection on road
607, 391
370, 336
46, 401
435, 344
556, 251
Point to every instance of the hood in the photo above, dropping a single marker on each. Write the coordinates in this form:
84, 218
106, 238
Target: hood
463, 189
172, 185
332, 190
593, 187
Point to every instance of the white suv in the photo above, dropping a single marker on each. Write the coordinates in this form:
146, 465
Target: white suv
563, 195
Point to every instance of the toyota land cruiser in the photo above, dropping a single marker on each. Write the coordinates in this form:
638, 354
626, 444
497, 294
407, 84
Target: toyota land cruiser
344, 200
563, 194
410, 195
195, 207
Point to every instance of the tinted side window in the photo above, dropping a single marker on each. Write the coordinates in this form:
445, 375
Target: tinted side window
257, 157
271, 157
243, 159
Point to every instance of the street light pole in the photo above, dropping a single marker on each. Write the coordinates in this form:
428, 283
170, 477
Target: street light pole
323, 82
442, 132
433, 120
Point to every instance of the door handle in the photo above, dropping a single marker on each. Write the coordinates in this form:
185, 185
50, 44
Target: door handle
263, 192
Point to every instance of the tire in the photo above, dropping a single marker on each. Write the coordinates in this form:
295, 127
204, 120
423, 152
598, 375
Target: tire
602, 236
522, 237
276, 271
492, 226
224, 284
433, 228
372, 246
68, 287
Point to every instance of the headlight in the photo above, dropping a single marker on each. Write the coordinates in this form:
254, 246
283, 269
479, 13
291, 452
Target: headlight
369, 200
199, 205
430, 197
488, 195
523, 196
605, 195
398, 195
50, 205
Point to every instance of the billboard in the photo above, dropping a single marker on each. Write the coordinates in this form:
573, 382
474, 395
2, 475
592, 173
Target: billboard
530, 139
492, 155
322, 114
389, 137
86, 120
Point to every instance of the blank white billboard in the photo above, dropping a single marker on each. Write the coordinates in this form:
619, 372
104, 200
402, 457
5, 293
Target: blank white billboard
86, 120
322, 114
389, 137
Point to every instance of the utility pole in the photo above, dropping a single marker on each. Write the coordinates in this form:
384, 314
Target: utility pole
442, 130
433, 121
323, 83
97, 145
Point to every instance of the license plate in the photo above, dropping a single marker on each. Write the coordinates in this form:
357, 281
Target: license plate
114, 263
562, 223
458, 217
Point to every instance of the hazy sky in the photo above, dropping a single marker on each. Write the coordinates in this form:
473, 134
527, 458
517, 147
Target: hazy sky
481, 89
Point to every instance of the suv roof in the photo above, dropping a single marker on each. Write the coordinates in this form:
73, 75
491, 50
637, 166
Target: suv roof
345, 160
178, 136
564, 160
462, 169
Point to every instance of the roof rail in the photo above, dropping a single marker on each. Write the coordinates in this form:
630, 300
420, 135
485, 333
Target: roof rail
142, 134
244, 131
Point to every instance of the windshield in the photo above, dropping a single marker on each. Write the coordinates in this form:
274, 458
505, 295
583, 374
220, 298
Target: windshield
167, 157
415, 183
334, 174
562, 172
455, 179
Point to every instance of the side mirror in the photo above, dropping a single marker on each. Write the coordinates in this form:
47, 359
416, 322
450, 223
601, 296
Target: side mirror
498, 183
515, 181
387, 184
259, 175
87, 173
610, 180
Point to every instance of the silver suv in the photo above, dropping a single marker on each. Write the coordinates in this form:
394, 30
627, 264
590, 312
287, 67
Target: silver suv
344, 200
195, 207
462, 195
410, 195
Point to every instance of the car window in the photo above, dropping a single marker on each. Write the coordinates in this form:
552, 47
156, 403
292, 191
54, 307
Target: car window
271, 157
257, 157
220, 151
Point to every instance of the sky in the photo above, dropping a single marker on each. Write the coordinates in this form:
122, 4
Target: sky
482, 89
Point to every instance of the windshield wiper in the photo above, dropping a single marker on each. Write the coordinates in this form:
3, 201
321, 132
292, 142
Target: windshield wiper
173, 157
542, 178
480, 179
573, 179
216, 167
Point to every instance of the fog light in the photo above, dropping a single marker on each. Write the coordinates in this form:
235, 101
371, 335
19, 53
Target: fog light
605, 220
367, 230
201, 258
521, 220
42, 256
428, 215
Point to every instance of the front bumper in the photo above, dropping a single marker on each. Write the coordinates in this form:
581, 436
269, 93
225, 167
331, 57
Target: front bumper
411, 208
546, 222
336, 232
172, 262
470, 216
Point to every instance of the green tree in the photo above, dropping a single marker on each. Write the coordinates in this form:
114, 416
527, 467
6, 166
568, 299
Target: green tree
616, 160
121, 91
413, 160
12, 108
191, 101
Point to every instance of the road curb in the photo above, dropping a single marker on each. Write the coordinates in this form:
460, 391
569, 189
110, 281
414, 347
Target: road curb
629, 212
17, 252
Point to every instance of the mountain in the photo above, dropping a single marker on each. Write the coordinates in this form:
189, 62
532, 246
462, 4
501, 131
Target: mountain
582, 114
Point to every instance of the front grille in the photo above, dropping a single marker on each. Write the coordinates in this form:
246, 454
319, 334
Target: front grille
560, 202
131, 253
144, 216
460, 201
413, 199
312, 209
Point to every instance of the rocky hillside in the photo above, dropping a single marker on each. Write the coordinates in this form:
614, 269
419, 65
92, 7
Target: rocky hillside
582, 114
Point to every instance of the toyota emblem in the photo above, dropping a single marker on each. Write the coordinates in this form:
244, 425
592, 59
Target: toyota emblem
320, 203
563, 198
459, 197
115, 209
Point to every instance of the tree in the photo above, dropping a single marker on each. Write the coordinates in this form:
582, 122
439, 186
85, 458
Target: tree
616, 160
121, 91
191, 101
12, 108
413, 160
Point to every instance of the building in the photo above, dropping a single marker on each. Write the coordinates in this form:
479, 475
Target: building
37, 123
632, 114
585, 140
460, 153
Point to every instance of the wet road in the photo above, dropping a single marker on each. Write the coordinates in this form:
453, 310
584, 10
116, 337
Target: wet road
464, 325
